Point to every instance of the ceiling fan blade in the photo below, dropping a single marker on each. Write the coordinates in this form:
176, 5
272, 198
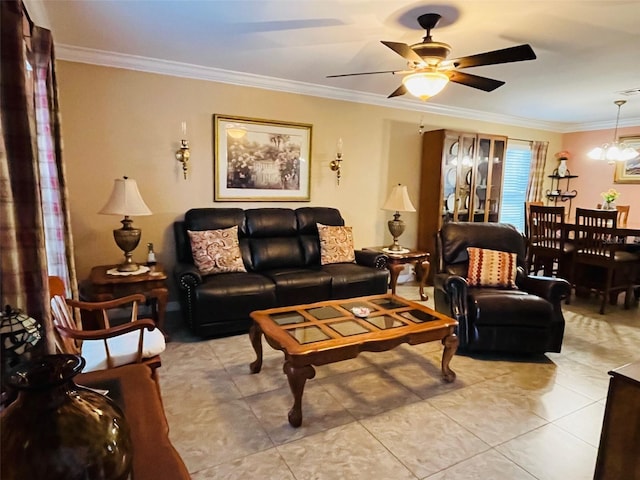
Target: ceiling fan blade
506, 55
364, 73
401, 90
404, 51
475, 81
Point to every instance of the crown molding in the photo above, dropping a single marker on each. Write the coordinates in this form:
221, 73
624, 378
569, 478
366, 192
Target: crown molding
198, 72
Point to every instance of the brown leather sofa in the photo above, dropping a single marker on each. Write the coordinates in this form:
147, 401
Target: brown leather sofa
281, 252
524, 320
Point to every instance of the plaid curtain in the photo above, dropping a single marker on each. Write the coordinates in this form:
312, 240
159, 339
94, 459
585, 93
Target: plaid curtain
27, 140
536, 175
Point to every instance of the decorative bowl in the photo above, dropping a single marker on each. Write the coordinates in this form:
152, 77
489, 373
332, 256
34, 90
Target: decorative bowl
361, 312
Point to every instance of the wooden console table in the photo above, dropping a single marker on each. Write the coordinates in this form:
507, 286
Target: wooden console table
137, 393
152, 284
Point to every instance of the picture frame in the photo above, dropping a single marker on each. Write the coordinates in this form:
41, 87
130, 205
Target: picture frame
261, 160
629, 171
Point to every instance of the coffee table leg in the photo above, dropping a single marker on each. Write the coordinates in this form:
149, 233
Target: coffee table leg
255, 334
297, 377
450, 343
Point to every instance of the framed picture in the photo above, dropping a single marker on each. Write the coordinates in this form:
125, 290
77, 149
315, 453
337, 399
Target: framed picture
261, 160
629, 171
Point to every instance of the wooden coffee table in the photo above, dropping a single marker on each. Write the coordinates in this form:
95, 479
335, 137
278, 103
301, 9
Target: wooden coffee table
327, 332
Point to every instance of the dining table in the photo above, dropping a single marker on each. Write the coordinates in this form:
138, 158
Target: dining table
630, 231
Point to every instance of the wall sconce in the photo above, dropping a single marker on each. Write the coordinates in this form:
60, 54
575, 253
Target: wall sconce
183, 153
335, 164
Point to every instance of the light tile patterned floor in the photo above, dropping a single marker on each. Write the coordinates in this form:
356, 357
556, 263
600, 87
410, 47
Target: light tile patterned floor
388, 416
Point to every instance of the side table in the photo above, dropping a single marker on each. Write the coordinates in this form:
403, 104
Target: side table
152, 284
396, 264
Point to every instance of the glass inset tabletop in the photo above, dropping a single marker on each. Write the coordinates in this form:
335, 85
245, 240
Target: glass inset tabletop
348, 328
324, 313
305, 335
388, 303
350, 305
418, 316
385, 322
288, 318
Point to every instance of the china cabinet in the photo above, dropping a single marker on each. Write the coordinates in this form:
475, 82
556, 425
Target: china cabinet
461, 180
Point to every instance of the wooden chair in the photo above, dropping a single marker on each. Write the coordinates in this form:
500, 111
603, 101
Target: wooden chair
598, 251
527, 207
548, 249
137, 341
623, 213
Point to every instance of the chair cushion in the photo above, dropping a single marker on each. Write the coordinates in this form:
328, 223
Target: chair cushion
336, 244
216, 251
123, 349
491, 268
509, 308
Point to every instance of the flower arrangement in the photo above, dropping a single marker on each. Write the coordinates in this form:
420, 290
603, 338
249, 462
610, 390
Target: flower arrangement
563, 155
610, 195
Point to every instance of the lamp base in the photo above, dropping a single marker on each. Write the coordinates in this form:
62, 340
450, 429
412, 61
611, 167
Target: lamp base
128, 265
127, 238
396, 228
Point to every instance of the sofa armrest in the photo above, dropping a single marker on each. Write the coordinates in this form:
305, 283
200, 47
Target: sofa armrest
554, 290
187, 276
370, 258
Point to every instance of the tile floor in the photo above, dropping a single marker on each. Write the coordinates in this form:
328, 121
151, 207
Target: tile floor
388, 415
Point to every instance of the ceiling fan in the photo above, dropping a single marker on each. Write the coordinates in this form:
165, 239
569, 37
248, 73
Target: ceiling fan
429, 71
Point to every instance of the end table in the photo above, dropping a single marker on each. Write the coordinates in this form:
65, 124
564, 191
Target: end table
396, 264
152, 284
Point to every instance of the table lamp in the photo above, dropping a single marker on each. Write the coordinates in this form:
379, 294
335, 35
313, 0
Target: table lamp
398, 201
126, 200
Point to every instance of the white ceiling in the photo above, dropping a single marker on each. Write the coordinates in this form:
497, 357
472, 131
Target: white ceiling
588, 51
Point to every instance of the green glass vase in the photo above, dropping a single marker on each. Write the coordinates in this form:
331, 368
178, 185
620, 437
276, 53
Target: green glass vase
57, 430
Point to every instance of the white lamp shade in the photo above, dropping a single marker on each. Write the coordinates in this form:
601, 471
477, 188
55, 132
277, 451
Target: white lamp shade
399, 200
425, 84
125, 199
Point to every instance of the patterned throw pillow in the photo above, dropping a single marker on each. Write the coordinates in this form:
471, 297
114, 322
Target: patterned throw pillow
216, 251
491, 268
336, 244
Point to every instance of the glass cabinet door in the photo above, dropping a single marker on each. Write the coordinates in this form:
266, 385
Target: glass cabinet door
488, 187
450, 176
494, 194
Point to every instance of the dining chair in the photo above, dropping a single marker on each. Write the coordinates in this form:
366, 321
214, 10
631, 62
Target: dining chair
527, 206
598, 251
136, 341
548, 248
623, 214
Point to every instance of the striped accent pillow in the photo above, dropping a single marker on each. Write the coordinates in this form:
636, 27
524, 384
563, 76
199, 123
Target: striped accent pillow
491, 268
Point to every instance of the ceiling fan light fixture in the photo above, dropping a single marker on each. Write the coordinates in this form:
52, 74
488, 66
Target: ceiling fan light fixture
614, 151
425, 84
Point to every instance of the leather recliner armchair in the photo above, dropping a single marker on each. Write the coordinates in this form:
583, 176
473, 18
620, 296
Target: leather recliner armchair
527, 319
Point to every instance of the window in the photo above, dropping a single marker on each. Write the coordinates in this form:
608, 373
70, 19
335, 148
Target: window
516, 179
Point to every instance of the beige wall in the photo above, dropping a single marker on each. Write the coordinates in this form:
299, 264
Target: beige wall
595, 176
119, 122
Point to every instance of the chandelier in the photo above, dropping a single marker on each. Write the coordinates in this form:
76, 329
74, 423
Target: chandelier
614, 151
